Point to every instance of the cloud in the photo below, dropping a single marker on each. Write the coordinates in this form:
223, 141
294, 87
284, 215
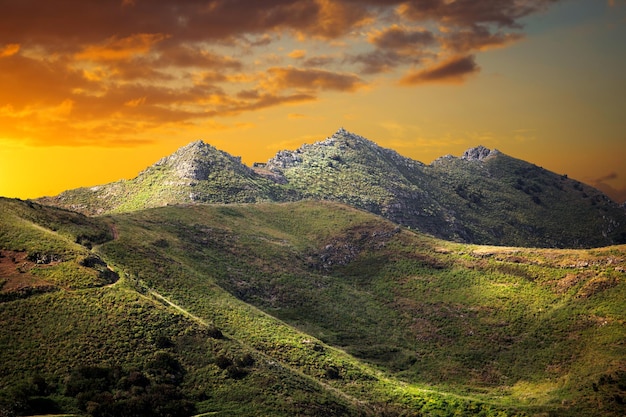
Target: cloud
297, 54
401, 38
115, 48
132, 65
502, 13
70, 25
395, 45
187, 56
607, 177
9, 50
452, 71
478, 38
378, 61
313, 79
319, 61
601, 183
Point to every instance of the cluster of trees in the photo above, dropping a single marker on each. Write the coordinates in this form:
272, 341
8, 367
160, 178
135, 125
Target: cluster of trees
106, 392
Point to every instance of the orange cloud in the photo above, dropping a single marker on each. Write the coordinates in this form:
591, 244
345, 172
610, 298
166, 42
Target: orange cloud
114, 48
335, 18
136, 102
9, 50
297, 54
128, 67
452, 71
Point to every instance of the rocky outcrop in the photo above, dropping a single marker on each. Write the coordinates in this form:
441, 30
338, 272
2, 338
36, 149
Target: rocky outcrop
479, 153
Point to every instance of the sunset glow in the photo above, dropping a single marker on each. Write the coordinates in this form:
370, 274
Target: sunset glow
93, 92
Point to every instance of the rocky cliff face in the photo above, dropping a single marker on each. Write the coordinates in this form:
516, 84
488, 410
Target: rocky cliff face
483, 196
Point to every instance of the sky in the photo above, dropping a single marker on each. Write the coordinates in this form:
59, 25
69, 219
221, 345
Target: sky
94, 91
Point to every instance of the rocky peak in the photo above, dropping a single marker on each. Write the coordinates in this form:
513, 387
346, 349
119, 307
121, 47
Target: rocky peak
197, 160
190, 161
479, 153
346, 137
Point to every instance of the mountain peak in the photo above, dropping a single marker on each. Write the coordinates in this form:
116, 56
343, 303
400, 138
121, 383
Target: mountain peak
196, 160
343, 134
479, 153
340, 146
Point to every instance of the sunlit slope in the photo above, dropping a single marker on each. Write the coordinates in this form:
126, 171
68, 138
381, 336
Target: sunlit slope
109, 339
77, 335
302, 308
194, 173
523, 327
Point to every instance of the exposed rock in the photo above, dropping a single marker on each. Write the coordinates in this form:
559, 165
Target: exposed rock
44, 258
284, 159
191, 161
479, 153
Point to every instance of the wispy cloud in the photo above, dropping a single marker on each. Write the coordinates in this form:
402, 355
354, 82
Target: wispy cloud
454, 70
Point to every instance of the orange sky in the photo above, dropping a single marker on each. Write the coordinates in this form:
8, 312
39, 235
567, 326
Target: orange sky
92, 92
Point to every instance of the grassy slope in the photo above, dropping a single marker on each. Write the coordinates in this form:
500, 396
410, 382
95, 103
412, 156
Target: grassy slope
195, 173
514, 326
515, 330
506, 199
86, 321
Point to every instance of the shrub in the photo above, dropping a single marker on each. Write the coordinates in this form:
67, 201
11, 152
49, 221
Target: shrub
223, 362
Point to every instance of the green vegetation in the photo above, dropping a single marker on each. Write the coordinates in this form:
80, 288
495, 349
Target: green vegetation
196, 173
308, 308
495, 199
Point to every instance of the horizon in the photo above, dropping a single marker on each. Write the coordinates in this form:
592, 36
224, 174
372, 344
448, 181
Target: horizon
94, 93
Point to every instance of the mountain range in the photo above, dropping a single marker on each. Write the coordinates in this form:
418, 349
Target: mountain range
337, 279
483, 197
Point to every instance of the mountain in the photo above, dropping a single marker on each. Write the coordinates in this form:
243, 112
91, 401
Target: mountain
303, 308
482, 197
195, 173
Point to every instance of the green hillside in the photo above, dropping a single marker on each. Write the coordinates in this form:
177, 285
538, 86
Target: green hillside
195, 173
303, 308
481, 197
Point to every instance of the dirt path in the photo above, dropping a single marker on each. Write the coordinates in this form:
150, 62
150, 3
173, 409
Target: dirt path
179, 308
268, 358
114, 231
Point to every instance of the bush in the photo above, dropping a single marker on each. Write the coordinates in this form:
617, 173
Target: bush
223, 362
332, 373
